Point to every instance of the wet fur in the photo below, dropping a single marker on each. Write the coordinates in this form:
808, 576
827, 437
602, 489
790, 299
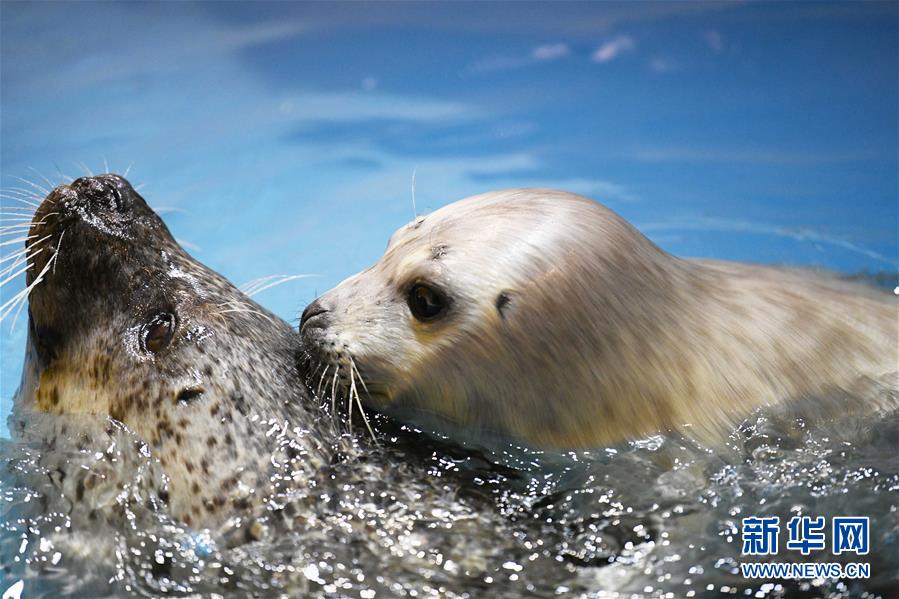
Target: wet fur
205, 402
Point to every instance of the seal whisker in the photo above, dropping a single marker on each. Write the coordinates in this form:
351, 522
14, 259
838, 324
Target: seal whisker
15, 229
18, 240
17, 222
62, 174
241, 308
24, 190
128, 170
414, 209
6, 308
42, 176
84, 168
20, 192
19, 226
334, 390
18, 272
24, 249
17, 255
318, 392
311, 375
242, 311
349, 404
23, 203
54, 259
253, 283
58, 249
22, 200
17, 213
24, 209
353, 373
19, 258
46, 192
283, 279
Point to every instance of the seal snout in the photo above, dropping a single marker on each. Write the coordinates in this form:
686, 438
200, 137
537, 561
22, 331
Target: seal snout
103, 192
315, 315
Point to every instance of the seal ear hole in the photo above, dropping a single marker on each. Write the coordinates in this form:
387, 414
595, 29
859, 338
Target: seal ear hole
502, 303
186, 396
157, 334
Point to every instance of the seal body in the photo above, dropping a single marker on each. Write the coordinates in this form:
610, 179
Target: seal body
122, 322
544, 317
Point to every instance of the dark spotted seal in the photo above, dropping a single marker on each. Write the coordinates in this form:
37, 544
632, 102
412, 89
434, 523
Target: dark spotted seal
122, 322
545, 317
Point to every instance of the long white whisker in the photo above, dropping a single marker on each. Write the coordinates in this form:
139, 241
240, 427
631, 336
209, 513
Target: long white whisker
34, 185
27, 202
15, 229
6, 308
24, 190
334, 389
54, 259
14, 275
349, 404
105, 165
16, 195
62, 174
252, 284
41, 175
19, 240
7, 208
83, 167
282, 280
15, 255
318, 390
355, 391
15, 222
24, 224
128, 170
414, 209
19, 259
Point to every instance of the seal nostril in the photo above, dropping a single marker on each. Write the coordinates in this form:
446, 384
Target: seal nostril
103, 192
312, 310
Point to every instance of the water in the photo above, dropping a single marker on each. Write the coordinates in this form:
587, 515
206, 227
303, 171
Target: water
414, 516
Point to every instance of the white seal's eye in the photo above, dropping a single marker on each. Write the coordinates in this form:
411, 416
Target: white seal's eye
426, 303
157, 334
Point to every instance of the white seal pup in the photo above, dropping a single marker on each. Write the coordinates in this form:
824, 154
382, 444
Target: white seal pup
544, 317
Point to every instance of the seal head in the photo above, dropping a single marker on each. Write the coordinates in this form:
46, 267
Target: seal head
122, 322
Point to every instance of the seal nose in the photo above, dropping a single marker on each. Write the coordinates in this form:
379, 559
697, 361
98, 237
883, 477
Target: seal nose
314, 312
109, 192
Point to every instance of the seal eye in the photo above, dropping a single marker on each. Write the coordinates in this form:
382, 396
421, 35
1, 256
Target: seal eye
426, 303
158, 333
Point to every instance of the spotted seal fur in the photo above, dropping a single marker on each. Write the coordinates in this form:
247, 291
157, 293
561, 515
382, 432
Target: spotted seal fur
124, 323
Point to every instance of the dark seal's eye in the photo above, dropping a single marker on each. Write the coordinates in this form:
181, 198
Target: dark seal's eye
426, 302
157, 334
